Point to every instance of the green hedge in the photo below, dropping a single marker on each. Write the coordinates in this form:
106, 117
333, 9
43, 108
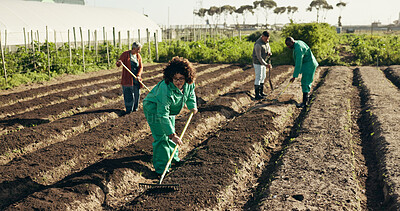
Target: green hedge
321, 37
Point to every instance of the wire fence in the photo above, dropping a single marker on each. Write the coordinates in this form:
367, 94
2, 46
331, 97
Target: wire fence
87, 52
51, 58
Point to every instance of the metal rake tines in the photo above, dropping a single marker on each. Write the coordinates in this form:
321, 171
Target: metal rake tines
159, 186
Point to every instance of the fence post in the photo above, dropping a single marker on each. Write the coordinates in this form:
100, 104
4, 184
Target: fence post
55, 42
25, 39
114, 37
104, 35
156, 44
70, 51
5, 41
129, 39
73, 29
33, 42
2, 61
148, 43
88, 39
108, 55
48, 51
38, 40
95, 43
83, 49
139, 36
119, 40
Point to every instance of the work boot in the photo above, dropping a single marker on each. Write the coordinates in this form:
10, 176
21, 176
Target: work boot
257, 91
262, 90
305, 101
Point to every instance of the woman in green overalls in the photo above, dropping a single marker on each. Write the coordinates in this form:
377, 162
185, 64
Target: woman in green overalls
165, 101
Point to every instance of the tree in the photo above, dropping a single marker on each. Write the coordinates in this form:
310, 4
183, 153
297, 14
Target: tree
278, 11
214, 12
267, 5
201, 13
318, 5
290, 11
341, 5
244, 10
325, 8
227, 9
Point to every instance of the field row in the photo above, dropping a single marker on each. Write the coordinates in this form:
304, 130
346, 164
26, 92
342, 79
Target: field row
239, 153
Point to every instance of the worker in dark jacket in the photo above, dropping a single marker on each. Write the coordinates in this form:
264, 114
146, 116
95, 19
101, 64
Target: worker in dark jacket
305, 64
261, 52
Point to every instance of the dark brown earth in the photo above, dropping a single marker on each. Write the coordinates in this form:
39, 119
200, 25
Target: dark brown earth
65, 144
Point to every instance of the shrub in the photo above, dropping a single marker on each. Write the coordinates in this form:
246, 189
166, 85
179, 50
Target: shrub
321, 37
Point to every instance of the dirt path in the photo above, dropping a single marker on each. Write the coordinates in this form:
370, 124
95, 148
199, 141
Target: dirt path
316, 170
382, 107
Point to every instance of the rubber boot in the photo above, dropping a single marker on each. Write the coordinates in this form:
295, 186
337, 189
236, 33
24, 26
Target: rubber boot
257, 91
262, 90
305, 101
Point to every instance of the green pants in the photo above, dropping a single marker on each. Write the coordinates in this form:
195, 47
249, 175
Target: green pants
307, 76
162, 145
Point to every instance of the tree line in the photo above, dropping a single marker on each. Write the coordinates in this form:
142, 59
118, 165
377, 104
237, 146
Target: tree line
265, 7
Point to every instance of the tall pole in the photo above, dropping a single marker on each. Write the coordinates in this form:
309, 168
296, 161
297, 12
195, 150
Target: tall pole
48, 50
2, 59
25, 38
83, 49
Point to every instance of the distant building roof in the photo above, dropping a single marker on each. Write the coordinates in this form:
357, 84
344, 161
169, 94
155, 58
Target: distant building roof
17, 15
81, 2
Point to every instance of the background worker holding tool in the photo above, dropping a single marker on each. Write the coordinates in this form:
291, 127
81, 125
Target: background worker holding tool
165, 101
130, 86
261, 51
305, 64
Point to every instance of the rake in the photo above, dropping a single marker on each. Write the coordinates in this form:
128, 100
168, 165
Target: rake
283, 91
159, 185
135, 76
269, 74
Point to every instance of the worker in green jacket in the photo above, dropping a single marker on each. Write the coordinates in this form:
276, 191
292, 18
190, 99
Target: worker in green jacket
305, 64
165, 101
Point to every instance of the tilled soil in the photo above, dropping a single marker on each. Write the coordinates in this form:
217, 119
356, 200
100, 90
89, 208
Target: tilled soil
66, 144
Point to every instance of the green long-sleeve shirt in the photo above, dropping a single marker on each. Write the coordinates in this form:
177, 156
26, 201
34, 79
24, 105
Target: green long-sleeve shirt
166, 100
304, 59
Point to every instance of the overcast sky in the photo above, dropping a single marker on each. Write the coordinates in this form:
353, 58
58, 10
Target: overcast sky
180, 12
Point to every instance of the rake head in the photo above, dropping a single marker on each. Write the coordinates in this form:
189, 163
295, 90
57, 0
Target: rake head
159, 186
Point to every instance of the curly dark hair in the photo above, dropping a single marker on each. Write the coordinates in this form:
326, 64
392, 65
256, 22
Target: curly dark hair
182, 66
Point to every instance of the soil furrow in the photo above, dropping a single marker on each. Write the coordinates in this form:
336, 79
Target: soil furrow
59, 96
66, 108
68, 161
316, 170
123, 186
32, 140
381, 119
53, 86
393, 74
214, 164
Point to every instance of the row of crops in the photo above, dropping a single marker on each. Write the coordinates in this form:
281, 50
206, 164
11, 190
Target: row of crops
24, 65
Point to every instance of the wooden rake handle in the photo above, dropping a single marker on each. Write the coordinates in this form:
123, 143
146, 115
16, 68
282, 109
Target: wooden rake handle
176, 147
134, 76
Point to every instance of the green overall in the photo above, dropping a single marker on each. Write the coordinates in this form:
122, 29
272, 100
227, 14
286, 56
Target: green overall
305, 64
160, 107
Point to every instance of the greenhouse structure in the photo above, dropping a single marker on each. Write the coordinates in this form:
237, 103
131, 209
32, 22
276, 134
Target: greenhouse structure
22, 22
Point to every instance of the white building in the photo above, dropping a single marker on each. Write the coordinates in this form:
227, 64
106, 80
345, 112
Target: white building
33, 17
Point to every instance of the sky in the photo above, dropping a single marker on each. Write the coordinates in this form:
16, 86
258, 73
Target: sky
180, 12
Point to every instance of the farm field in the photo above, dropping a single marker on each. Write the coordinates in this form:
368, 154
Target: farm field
65, 144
